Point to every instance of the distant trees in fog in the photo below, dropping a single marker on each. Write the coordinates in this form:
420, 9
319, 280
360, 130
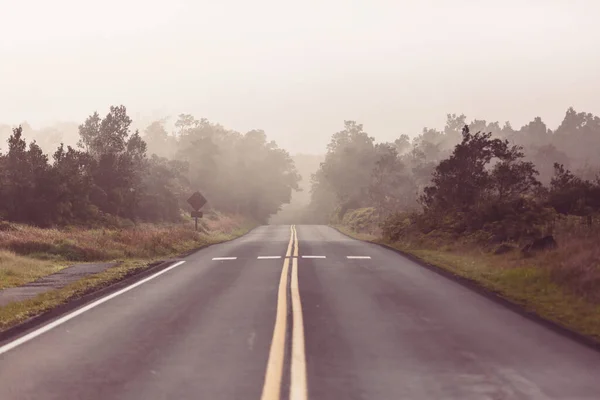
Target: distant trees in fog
110, 173
472, 176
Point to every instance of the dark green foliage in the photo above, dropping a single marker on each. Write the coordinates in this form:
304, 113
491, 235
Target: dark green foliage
395, 225
117, 162
110, 180
163, 187
570, 194
26, 187
484, 185
73, 183
466, 178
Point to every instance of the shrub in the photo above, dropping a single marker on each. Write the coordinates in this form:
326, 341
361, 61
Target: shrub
362, 220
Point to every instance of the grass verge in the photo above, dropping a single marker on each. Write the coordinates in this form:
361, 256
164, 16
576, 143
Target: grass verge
28, 253
525, 282
16, 270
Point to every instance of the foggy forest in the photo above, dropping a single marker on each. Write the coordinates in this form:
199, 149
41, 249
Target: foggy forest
488, 171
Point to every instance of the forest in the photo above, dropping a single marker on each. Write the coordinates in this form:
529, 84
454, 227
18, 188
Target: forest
472, 179
116, 174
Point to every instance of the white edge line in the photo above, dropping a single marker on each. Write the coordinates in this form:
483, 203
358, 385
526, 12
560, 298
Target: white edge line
313, 257
359, 257
268, 257
224, 258
62, 320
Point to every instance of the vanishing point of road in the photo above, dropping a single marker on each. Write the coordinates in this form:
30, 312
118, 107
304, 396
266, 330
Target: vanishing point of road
300, 312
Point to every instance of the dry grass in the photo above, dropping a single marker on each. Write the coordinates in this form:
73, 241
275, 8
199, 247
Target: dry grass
16, 270
28, 253
575, 264
141, 241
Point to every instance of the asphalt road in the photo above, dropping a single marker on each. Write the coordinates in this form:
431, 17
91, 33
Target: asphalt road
335, 319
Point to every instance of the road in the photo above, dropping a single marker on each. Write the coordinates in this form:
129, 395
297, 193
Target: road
296, 313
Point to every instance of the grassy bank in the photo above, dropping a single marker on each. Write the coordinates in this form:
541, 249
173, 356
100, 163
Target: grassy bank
28, 253
560, 285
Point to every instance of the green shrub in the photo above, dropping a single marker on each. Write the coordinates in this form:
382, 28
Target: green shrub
362, 220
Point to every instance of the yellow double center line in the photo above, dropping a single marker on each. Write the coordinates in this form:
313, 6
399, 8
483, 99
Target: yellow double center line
274, 373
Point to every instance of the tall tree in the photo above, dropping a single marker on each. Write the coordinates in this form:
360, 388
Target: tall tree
118, 161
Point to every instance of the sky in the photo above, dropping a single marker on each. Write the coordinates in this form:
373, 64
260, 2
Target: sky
299, 69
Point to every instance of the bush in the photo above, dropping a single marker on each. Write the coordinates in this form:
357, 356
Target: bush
570, 194
363, 220
6, 226
394, 226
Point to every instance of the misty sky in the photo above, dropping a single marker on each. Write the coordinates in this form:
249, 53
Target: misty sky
298, 69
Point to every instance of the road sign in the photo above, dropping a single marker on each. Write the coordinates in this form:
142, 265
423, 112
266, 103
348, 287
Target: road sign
196, 200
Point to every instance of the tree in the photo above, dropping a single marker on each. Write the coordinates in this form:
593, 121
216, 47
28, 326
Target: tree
110, 175
544, 157
164, 185
117, 161
347, 168
158, 140
108, 135
579, 137
25, 188
72, 182
266, 176
483, 182
391, 188
457, 181
570, 194
402, 144
185, 122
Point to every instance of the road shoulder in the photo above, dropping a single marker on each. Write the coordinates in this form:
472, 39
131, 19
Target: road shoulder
17, 318
573, 317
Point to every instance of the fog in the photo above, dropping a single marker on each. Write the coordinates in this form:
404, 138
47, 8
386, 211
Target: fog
299, 70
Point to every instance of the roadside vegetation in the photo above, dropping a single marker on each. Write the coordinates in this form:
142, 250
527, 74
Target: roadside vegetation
31, 252
117, 175
119, 196
34, 252
516, 211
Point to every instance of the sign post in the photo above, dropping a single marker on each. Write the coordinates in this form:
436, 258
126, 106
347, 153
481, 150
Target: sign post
196, 200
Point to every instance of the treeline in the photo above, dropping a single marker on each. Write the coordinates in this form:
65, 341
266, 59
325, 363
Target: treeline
471, 178
113, 175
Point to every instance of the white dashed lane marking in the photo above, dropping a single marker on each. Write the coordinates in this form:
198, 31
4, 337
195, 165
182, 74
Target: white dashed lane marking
291, 257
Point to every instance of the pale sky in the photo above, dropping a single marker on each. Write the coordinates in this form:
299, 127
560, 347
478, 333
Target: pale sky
299, 69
